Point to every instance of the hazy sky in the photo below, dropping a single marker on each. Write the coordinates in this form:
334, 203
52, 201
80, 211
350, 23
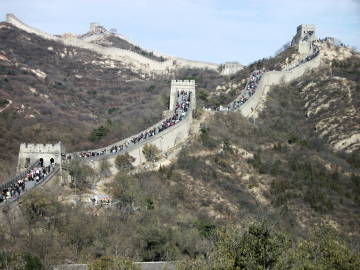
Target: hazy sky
209, 30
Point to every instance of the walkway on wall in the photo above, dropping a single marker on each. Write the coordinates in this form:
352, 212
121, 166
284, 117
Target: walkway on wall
29, 185
182, 113
15, 179
250, 99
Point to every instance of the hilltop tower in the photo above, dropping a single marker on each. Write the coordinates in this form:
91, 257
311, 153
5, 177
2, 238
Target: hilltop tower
93, 27
97, 28
231, 68
178, 85
30, 153
9, 17
305, 34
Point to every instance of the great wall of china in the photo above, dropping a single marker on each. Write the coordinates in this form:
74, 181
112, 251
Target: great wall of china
252, 106
136, 61
174, 135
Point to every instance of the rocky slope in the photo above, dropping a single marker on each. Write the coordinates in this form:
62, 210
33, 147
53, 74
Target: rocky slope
333, 99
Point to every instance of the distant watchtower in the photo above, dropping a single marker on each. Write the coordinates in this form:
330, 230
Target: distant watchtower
97, 28
30, 153
9, 17
178, 85
231, 68
305, 34
93, 27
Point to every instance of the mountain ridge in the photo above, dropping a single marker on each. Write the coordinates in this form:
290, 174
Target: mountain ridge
133, 60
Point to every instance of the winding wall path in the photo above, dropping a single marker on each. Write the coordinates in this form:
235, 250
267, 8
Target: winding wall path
251, 107
164, 140
177, 134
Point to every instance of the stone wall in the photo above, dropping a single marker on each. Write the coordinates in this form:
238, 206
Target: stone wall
250, 108
10, 18
136, 61
164, 141
231, 68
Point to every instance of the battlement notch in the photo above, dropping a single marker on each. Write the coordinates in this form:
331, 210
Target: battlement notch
183, 82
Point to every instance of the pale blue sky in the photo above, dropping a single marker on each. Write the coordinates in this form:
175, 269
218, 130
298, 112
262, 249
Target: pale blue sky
209, 30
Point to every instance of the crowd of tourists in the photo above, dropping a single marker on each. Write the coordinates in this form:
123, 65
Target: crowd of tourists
249, 89
38, 172
256, 76
308, 34
14, 189
246, 94
181, 108
315, 52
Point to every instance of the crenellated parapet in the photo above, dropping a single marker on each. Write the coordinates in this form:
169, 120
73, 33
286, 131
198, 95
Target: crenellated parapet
183, 82
40, 147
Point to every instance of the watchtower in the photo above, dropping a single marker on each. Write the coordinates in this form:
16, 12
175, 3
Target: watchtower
93, 27
30, 153
305, 35
231, 68
97, 28
9, 17
179, 85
